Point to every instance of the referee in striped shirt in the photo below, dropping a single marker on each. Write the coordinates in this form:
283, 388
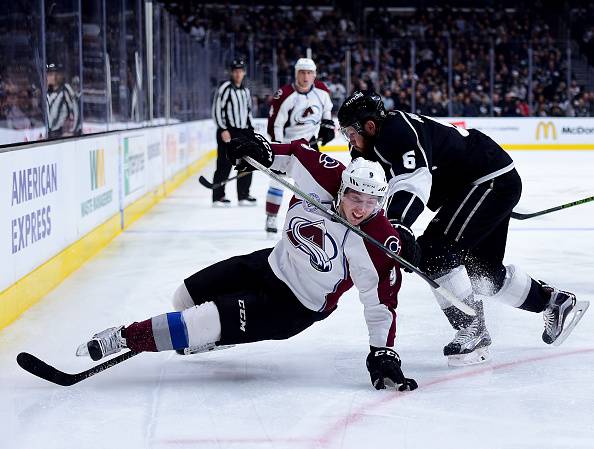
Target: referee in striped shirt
232, 113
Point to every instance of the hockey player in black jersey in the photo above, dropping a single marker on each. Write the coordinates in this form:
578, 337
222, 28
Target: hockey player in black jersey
472, 184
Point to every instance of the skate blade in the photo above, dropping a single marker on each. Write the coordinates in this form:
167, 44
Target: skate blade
577, 314
204, 348
480, 355
82, 351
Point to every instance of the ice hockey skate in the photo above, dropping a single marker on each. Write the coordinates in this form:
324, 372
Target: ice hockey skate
562, 314
271, 224
104, 343
470, 345
221, 202
248, 201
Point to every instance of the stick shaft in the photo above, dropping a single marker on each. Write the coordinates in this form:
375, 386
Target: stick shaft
519, 216
210, 185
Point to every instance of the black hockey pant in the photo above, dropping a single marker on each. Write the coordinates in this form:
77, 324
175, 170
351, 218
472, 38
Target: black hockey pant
253, 303
471, 229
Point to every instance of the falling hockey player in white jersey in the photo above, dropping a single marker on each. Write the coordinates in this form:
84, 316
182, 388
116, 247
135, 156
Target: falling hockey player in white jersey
276, 293
301, 110
472, 184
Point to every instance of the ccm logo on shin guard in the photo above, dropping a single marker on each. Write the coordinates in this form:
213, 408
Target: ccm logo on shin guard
242, 319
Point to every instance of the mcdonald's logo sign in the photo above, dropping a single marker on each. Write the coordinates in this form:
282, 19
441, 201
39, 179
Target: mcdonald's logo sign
546, 128
97, 165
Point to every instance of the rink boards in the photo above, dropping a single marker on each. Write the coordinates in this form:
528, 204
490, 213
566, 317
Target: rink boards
62, 202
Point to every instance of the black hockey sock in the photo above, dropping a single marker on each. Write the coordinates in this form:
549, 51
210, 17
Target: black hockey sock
537, 299
459, 319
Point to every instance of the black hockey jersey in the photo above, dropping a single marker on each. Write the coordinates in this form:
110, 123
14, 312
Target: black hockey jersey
426, 161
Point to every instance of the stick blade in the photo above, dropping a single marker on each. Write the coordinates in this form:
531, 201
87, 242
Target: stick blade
39, 368
205, 182
520, 216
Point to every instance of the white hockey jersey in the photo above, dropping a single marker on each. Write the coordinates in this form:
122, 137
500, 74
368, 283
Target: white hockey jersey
320, 259
294, 115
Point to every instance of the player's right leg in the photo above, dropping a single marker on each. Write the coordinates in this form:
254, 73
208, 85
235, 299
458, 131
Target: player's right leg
561, 311
239, 300
270, 312
471, 343
197, 327
510, 285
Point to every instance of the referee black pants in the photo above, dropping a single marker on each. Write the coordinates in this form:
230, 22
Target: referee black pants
253, 304
471, 229
224, 168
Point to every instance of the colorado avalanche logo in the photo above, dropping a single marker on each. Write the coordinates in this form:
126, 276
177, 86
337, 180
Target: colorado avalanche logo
312, 238
328, 162
393, 244
309, 207
309, 115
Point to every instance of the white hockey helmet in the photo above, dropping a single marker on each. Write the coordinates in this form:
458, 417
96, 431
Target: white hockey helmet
364, 176
305, 64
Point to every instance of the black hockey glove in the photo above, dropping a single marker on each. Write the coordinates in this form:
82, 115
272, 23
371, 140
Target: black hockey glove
384, 369
411, 250
314, 143
327, 132
255, 146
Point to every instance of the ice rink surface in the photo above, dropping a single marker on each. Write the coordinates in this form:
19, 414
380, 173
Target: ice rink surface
312, 391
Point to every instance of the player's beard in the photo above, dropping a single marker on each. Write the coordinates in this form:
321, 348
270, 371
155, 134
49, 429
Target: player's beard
368, 142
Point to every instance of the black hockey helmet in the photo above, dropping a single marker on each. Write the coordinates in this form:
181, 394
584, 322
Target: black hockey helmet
360, 107
237, 63
54, 67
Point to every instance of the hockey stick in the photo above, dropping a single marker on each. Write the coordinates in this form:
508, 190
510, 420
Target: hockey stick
41, 369
337, 218
519, 216
209, 185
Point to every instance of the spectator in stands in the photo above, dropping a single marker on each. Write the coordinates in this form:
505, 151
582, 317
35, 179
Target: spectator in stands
469, 34
15, 105
388, 100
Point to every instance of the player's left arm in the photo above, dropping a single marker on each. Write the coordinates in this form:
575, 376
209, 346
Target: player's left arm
407, 155
327, 130
378, 279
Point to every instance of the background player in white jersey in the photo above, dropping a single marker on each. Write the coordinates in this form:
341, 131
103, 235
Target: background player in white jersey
472, 184
275, 293
302, 110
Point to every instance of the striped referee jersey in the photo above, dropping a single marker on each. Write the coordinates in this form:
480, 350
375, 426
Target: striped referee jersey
232, 106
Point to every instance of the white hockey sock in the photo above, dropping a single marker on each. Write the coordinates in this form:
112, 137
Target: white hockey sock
203, 324
516, 287
182, 299
274, 197
457, 282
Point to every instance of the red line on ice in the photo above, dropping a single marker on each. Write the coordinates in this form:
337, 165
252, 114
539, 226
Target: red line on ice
336, 429
355, 416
